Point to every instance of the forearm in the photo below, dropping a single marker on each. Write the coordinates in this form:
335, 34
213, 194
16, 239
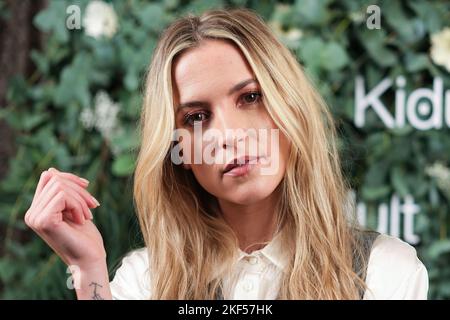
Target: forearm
92, 283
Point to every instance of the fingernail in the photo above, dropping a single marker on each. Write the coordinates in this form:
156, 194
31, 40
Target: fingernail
84, 181
90, 215
95, 201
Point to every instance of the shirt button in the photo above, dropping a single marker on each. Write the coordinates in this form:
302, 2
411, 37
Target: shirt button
253, 260
248, 286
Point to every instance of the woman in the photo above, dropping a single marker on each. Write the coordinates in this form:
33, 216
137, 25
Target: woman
263, 222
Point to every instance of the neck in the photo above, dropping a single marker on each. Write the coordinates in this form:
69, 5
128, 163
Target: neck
252, 223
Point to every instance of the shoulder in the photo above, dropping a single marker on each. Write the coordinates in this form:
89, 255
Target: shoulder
394, 252
394, 271
136, 256
131, 279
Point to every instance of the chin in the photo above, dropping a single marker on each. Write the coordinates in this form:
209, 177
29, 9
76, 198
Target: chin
248, 193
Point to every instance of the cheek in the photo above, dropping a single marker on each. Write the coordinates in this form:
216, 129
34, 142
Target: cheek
203, 162
189, 149
278, 149
206, 175
285, 146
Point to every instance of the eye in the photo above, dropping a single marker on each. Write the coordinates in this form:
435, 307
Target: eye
250, 97
195, 117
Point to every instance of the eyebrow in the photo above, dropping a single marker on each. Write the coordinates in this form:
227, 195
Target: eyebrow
233, 89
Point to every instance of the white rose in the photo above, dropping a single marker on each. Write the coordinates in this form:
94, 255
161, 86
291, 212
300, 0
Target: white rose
100, 19
440, 48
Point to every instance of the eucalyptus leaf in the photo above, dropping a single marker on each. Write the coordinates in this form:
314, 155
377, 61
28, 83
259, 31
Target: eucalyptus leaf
123, 165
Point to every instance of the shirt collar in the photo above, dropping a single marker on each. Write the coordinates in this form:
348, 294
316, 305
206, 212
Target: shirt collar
274, 251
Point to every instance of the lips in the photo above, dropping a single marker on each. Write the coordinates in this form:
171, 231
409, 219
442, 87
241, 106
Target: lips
240, 162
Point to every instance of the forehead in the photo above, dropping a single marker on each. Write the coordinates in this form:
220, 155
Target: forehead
214, 65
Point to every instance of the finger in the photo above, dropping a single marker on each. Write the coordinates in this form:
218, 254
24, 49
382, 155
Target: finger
44, 178
75, 207
54, 179
46, 194
88, 198
68, 215
54, 206
54, 187
85, 199
76, 194
81, 181
51, 220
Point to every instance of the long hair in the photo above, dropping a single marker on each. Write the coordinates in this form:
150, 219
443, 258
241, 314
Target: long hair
190, 247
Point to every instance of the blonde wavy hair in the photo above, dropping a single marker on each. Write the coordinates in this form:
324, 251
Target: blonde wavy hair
190, 246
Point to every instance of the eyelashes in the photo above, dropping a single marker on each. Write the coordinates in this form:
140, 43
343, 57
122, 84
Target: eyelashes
255, 94
190, 118
248, 98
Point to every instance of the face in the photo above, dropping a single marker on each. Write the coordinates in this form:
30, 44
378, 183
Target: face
235, 150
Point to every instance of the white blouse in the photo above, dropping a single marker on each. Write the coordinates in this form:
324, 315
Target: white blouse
394, 272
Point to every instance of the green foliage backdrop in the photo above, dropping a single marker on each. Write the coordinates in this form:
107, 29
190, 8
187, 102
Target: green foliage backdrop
56, 123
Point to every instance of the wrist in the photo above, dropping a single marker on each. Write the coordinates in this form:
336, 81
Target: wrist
91, 281
92, 266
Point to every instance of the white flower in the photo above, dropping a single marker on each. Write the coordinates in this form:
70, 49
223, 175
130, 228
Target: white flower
87, 118
442, 175
294, 34
357, 16
440, 48
290, 37
103, 117
105, 114
100, 19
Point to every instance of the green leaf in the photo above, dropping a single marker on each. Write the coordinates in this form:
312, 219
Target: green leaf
397, 18
153, 16
74, 83
127, 140
199, 6
41, 61
398, 182
416, 62
53, 20
430, 13
123, 165
131, 80
438, 248
309, 49
375, 43
30, 122
334, 57
375, 193
312, 12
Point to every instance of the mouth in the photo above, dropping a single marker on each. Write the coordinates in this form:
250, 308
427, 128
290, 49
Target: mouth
240, 166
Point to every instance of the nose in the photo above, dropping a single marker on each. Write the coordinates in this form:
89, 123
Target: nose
231, 124
232, 138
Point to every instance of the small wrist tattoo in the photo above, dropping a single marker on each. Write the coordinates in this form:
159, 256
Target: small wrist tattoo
96, 296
